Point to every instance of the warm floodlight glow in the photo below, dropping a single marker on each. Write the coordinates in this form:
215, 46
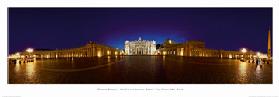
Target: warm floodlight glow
108, 52
122, 52
230, 56
169, 41
243, 50
258, 54
99, 54
47, 56
29, 50
17, 54
164, 52
182, 52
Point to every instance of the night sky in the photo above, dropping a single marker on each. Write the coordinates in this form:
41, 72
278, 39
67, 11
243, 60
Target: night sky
57, 28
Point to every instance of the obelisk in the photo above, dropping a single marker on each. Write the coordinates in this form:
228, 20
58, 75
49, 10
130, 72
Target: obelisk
269, 46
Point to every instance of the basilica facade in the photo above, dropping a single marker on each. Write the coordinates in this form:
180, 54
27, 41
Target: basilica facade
140, 47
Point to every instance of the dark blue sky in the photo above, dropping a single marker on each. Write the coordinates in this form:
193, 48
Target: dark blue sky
219, 28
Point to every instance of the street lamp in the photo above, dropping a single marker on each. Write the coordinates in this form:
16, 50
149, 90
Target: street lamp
243, 50
29, 50
259, 54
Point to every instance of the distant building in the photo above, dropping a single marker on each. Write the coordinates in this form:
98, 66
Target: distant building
194, 48
140, 47
91, 49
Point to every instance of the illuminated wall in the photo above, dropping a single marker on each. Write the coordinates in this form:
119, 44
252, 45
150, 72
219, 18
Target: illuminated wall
89, 50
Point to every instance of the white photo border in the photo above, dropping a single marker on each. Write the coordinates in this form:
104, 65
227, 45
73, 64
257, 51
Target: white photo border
88, 90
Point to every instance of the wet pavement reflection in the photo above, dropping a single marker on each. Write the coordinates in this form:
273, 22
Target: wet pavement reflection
140, 70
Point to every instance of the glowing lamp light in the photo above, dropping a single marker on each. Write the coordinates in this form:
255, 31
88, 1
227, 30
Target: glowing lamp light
243, 50
47, 56
230, 56
258, 54
99, 54
17, 54
164, 52
29, 50
108, 52
169, 41
182, 52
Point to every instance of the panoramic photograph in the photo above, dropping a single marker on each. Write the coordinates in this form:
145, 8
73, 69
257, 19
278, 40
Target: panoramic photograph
139, 45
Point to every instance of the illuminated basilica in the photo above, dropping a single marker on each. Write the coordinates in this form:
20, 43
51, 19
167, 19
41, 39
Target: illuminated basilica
140, 47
